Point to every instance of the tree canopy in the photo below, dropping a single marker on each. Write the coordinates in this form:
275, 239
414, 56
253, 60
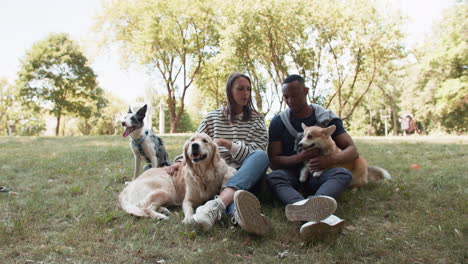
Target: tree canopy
55, 76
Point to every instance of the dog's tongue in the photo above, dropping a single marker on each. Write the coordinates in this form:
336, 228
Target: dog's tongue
196, 156
127, 131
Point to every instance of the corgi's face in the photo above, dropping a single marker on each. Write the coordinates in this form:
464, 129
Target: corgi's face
133, 121
315, 137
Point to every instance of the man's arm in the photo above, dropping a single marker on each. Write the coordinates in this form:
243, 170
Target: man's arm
349, 153
283, 162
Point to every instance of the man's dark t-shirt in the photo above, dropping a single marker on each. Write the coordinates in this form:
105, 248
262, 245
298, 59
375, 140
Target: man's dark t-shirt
278, 132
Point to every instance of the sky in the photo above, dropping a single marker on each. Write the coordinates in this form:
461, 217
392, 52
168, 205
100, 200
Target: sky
24, 22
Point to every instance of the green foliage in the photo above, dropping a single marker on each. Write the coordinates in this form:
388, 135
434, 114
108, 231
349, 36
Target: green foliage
439, 96
184, 125
174, 38
106, 121
54, 76
21, 120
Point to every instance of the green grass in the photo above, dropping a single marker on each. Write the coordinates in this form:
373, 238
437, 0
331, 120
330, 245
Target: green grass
63, 209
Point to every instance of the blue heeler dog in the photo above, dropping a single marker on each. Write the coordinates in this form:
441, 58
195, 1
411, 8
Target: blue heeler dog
144, 143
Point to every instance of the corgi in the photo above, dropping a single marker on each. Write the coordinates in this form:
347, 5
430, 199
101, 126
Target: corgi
144, 143
320, 138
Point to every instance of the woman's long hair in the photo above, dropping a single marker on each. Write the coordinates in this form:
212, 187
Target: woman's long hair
248, 110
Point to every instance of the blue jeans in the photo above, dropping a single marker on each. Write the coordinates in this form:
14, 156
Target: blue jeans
252, 170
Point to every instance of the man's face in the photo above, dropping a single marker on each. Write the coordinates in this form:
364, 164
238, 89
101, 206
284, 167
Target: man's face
295, 95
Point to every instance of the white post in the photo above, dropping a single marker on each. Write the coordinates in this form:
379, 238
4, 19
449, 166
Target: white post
385, 114
11, 123
161, 117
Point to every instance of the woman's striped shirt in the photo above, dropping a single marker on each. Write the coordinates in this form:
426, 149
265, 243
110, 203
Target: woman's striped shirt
246, 136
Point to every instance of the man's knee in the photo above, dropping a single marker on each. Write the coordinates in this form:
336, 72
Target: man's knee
341, 173
276, 176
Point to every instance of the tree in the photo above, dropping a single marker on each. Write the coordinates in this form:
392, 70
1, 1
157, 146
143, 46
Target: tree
107, 120
54, 75
15, 119
175, 38
439, 96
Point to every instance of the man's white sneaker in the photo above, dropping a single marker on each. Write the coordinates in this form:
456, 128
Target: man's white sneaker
248, 215
206, 215
315, 209
330, 225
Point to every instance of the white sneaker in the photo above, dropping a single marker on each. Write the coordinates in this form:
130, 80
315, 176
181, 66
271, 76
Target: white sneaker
315, 209
206, 215
247, 214
330, 225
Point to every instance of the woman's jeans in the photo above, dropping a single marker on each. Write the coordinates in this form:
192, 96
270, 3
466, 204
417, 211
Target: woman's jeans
248, 175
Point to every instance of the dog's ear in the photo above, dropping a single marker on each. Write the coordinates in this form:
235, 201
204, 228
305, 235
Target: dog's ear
303, 126
329, 130
186, 160
215, 156
142, 111
129, 110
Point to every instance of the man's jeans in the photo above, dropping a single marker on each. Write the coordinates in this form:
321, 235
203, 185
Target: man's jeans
285, 184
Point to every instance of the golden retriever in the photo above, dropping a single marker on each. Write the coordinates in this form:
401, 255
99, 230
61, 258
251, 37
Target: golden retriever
320, 138
200, 176
204, 172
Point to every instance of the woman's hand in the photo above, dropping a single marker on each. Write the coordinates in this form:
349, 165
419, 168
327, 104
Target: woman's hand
172, 169
223, 143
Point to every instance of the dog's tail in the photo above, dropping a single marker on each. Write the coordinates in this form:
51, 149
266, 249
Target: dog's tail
129, 207
377, 173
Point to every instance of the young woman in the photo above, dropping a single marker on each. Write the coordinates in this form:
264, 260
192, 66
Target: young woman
240, 132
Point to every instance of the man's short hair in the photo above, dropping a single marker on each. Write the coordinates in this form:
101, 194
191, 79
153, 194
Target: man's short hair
292, 78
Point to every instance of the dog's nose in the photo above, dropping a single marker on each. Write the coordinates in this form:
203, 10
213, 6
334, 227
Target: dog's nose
123, 123
195, 147
299, 145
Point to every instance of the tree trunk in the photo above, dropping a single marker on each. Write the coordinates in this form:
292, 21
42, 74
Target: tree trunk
173, 128
57, 128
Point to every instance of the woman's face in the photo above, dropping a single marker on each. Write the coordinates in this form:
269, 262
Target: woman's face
241, 91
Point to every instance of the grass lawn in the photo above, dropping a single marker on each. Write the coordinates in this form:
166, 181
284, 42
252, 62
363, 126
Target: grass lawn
62, 207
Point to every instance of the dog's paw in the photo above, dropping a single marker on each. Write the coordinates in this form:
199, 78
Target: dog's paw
187, 220
164, 210
317, 174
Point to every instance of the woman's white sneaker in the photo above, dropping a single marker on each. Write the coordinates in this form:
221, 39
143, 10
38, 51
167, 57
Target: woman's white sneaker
248, 214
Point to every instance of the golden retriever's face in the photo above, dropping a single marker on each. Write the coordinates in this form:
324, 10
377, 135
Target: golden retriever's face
314, 136
200, 147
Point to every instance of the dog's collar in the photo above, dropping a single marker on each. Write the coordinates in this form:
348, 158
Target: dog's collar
140, 140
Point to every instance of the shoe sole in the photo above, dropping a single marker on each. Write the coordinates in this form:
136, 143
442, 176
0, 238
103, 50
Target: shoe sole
320, 229
248, 209
315, 209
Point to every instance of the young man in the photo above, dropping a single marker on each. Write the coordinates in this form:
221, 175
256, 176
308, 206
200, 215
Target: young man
317, 209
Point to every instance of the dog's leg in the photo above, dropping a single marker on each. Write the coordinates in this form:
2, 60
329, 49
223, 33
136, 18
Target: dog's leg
304, 174
137, 166
155, 199
163, 210
154, 161
188, 211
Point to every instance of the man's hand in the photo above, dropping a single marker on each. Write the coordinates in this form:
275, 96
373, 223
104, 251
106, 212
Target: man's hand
308, 154
320, 163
